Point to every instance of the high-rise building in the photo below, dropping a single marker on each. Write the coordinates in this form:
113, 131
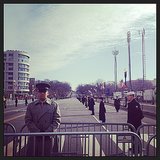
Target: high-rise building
16, 73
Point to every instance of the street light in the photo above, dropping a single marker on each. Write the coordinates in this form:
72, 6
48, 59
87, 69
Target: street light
125, 76
143, 57
115, 53
14, 86
128, 40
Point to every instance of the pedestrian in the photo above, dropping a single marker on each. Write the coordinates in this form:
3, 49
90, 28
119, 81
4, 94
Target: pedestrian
117, 103
4, 102
16, 101
42, 115
135, 114
89, 103
85, 101
32, 99
26, 100
102, 111
92, 103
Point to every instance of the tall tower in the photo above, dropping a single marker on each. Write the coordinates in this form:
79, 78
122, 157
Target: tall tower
143, 58
129, 58
115, 53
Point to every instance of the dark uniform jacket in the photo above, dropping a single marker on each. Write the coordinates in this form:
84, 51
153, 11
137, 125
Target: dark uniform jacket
42, 117
92, 103
135, 113
117, 103
102, 111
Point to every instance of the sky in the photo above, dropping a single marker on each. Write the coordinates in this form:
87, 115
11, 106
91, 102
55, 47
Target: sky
74, 43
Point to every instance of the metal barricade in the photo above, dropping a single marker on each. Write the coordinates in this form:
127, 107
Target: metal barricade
151, 146
86, 127
9, 142
88, 144
146, 131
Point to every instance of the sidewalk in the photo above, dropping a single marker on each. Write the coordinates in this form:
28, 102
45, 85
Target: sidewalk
147, 109
11, 102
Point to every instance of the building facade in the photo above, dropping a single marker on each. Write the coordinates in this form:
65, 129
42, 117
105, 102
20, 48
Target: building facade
16, 73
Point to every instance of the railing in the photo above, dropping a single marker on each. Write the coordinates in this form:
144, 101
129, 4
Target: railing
150, 150
9, 128
86, 127
9, 142
78, 143
146, 131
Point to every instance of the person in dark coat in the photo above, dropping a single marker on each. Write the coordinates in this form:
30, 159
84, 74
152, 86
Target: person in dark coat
42, 115
102, 110
16, 101
83, 100
117, 103
4, 101
89, 104
135, 114
26, 100
92, 103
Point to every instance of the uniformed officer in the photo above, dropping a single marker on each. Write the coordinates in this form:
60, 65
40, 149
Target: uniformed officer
135, 113
42, 115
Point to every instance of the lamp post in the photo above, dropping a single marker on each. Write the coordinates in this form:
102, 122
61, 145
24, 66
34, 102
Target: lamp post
125, 76
14, 86
115, 53
129, 58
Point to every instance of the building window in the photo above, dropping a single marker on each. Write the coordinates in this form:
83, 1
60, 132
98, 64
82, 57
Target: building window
10, 54
10, 87
10, 64
10, 69
10, 78
10, 73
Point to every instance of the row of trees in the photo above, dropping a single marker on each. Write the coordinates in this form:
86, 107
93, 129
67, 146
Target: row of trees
100, 88
58, 89
63, 89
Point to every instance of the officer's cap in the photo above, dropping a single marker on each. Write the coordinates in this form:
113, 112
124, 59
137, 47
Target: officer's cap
42, 87
131, 93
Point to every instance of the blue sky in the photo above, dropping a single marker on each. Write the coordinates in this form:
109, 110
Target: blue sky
74, 42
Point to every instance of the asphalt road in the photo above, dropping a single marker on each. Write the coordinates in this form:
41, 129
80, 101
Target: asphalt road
73, 111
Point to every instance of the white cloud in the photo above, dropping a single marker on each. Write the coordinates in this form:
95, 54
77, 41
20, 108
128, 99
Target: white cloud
56, 34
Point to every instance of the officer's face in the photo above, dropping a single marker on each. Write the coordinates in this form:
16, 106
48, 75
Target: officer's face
42, 95
129, 98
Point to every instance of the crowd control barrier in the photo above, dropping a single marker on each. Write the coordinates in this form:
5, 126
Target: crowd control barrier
146, 131
151, 146
87, 127
9, 142
87, 144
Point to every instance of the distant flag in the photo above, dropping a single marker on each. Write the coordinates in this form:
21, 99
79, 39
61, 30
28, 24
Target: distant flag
121, 84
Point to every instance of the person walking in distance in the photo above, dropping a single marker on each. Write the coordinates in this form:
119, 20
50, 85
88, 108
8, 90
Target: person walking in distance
16, 101
26, 100
117, 103
42, 115
4, 102
102, 111
135, 114
92, 103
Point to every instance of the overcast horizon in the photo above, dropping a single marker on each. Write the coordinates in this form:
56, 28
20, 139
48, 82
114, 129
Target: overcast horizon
74, 42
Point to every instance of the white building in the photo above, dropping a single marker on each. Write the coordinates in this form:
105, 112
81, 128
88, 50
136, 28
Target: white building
16, 72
